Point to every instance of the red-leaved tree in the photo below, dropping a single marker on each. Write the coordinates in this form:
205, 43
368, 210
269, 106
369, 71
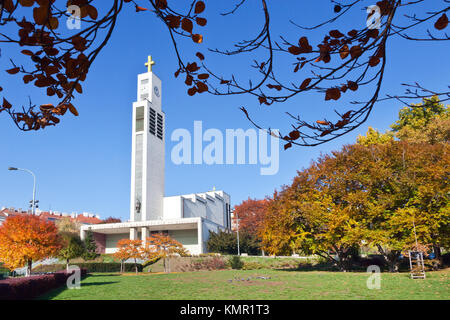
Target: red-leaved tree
251, 214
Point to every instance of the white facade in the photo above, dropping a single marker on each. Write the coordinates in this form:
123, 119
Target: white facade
187, 218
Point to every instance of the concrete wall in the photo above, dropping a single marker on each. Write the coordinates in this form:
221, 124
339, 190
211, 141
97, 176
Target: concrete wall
173, 207
188, 238
111, 241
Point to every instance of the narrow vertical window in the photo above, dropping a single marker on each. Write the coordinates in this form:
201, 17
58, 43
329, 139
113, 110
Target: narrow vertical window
139, 119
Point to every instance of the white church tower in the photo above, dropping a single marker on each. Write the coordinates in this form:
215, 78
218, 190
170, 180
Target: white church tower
187, 218
148, 153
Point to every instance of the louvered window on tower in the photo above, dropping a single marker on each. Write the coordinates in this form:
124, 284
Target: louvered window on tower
152, 121
160, 126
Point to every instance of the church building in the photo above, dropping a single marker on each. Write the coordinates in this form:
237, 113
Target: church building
187, 218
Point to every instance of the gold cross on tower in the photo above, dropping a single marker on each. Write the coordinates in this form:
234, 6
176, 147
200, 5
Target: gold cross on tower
150, 63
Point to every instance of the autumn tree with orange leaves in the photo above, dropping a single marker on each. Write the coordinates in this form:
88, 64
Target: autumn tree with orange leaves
165, 247
129, 249
27, 238
343, 60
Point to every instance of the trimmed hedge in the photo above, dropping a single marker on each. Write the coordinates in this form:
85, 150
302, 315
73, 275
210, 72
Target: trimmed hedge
446, 259
31, 287
91, 267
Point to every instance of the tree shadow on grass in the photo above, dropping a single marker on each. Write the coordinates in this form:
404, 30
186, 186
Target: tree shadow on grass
324, 267
54, 293
98, 283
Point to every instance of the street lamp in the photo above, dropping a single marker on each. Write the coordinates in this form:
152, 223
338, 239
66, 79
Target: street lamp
33, 204
237, 229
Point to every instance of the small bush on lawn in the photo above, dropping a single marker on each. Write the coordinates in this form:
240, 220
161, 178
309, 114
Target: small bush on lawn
236, 263
91, 267
214, 263
252, 266
31, 287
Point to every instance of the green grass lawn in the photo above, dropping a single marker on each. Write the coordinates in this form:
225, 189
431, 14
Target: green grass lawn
282, 285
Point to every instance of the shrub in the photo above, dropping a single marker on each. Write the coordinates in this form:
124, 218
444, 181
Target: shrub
91, 267
236, 263
214, 263
252, 266
31, 287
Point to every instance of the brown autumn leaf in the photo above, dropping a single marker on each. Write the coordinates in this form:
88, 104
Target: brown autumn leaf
202, 87
189, 80
294, 135
442, 22
46, 107
355, 51
187, 25
344, 52
201, 21
352, 85
262, 100
288, 146
326, 132
6, 104
305, 83
203, 76
28, 78
161, 4
199, 7
294, 50
197, 38
72, 109
200, 56
192, 67
27, 52
333, 94
13, 70
139, 9
323, 123
272, 86
336, 34
374, 61
192, 91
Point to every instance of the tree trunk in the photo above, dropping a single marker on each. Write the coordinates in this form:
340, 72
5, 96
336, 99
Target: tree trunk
135, 266
168, 265
437, 252
29, 267
67, 265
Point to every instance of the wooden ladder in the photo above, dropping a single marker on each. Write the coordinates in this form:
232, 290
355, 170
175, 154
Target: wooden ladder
416, 265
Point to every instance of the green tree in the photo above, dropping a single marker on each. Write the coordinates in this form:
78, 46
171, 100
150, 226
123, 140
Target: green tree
226, 243
373, 136
72, 247
90, 247
68, 225
426, 122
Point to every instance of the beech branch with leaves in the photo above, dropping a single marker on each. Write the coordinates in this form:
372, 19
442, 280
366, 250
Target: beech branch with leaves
345, 60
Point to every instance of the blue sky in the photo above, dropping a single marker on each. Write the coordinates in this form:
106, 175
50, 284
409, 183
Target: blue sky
84, 163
